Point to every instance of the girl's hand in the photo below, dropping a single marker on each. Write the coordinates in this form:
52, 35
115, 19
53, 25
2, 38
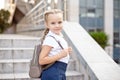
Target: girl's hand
65, 52
69, 49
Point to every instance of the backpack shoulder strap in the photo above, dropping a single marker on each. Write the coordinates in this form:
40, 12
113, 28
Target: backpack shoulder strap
57, 42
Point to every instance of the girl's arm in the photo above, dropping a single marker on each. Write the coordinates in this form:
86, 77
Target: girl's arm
45, 59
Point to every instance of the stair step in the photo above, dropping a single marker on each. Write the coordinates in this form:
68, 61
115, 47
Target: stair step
15, 61
16, 36
71, 65
25, 76
14, 65
18, 43
14, 76
16, 53
10, 65
8, 41
17, 48
74, 75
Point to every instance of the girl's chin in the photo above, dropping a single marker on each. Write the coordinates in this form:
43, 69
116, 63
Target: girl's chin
58, 33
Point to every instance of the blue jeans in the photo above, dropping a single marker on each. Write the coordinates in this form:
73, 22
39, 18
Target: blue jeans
55, 72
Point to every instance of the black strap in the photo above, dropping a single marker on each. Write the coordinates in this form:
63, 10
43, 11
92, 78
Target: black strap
57, 42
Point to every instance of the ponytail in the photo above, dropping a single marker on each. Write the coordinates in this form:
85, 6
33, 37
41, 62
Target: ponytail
45, 33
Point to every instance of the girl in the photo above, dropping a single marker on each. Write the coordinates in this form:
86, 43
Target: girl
51, 50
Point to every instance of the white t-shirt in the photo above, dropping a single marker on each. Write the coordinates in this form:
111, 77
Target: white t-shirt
50, 41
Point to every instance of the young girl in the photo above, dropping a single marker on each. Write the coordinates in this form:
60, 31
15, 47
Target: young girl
51, 50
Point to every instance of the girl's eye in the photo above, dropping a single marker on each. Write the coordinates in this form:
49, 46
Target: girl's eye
52, 22
59, 22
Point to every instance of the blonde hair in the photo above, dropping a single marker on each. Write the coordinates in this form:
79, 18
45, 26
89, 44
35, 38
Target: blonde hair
51, 11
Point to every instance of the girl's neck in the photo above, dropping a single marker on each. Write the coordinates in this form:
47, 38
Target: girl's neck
59, 34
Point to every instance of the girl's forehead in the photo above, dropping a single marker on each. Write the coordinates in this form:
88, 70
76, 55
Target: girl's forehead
55, 16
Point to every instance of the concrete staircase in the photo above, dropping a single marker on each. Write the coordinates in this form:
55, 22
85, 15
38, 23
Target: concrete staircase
24, 7
15, 54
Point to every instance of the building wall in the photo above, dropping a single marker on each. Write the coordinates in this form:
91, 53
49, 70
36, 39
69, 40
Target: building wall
116, 22
10, 6
73, 10
10, 30
91, 15
108, 24
97, 15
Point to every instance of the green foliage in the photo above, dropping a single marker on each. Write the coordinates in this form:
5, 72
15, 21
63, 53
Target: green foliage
101, 38
4, 17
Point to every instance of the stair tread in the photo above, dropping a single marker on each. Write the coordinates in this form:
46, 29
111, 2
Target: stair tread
16, 36
12, 76
26, 75
73, 73
17, 48
18, 60
14, 60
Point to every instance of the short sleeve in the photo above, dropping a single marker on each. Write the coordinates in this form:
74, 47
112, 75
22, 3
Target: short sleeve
49, 41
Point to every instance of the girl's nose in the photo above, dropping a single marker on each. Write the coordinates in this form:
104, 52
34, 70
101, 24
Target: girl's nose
57, 25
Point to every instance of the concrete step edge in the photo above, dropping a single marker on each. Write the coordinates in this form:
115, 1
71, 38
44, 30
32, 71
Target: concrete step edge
73, 73
16, 36
14, 76
14, 60
17, 48
26, 75
18, 60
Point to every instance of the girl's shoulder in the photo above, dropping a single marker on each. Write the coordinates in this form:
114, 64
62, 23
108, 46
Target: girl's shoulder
49, 41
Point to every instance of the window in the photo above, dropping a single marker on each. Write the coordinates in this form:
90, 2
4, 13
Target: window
83, 12
99, 13
92, 14
83, 3
99, 3
91, 4
116, 21
116, 55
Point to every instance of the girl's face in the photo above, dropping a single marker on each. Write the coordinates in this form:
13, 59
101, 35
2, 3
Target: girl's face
54, 22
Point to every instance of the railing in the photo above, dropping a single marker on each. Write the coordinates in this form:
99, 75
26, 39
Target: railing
33, 20
93, 61
12, 11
